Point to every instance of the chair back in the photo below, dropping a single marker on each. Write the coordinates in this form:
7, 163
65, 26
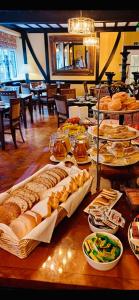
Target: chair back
14, 110
51, 91
5, 96
69, 93
35, 84
61, 105
13, 88
25, 88
64, 86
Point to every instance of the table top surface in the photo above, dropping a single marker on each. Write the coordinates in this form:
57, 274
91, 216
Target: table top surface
62, 264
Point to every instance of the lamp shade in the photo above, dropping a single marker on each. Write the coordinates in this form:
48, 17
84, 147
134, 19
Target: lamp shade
80, 25
90, 41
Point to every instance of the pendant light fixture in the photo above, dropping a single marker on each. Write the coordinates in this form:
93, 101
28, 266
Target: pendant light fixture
90, 41
80, 25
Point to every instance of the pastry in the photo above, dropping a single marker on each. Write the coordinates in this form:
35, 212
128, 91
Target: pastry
115, 105
123, 96
54, 199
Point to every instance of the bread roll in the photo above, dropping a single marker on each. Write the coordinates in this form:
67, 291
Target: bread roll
5, 217
129, 100
133, 106
34, 214
23, 225
102, 106
105, 99
13, 210
115, 105
19, 201
123, 96
19, 228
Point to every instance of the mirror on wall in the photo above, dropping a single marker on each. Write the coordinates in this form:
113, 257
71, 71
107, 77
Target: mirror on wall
68, 56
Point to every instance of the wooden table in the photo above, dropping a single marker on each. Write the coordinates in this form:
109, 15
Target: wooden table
61, 264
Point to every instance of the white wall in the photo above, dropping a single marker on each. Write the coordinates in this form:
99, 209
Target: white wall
37, 42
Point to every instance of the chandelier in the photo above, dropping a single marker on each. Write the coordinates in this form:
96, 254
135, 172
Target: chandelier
80, 25
90, 41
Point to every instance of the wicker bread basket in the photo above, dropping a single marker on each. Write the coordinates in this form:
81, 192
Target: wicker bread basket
24, 247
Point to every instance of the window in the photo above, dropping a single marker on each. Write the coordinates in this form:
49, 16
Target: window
8, 65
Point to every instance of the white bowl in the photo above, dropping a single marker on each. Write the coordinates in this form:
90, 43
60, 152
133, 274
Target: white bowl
104, 229
102, 266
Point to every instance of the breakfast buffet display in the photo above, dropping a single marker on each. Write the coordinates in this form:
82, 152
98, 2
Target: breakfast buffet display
30, 210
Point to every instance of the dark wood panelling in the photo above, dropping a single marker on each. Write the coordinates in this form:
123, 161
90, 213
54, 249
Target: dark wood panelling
97, 58
47, 56
63, 30
24, 48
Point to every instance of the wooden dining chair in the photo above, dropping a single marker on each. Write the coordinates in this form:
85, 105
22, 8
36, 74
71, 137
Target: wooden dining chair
49, 100
12, 123
25, 89
64, 85
61, 108
6, 95
34, 84
69, 93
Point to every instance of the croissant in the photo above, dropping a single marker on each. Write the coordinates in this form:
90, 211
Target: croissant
55, 201
86, 175
64, 196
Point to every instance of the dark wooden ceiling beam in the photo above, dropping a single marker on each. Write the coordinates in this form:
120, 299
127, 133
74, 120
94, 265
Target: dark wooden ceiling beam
65, 30
61, 16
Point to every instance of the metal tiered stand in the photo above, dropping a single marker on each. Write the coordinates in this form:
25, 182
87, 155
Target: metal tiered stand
98, 164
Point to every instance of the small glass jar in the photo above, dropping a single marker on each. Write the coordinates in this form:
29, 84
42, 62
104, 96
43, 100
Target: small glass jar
85, 138
59, 149
80, 151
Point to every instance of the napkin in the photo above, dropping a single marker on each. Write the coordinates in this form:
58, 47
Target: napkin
83, 112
